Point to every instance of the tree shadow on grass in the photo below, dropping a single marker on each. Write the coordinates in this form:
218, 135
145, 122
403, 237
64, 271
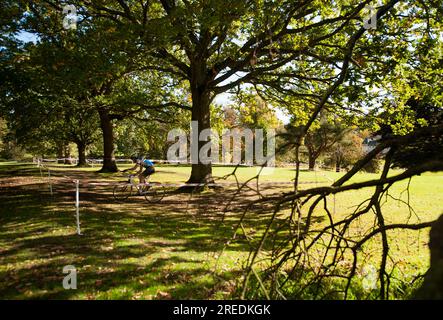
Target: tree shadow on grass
127, 250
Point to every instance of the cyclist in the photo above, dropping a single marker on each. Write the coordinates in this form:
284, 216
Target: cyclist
145, 164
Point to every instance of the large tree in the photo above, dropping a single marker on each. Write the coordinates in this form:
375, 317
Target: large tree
95, 68
307, 53
217, 46
322, 138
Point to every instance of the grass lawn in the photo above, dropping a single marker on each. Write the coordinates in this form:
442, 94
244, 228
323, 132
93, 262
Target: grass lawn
137, 250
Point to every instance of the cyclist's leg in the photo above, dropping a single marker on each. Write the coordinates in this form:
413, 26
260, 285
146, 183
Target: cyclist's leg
143, 176
149, 172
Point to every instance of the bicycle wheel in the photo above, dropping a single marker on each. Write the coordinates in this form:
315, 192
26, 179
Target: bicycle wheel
154, 192
122, 191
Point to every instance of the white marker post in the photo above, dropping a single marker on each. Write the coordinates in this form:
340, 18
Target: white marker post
77, 205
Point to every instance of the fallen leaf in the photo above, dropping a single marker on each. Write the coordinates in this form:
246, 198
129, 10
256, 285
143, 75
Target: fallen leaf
164, 295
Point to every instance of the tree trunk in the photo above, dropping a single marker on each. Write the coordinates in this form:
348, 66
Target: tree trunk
311, 161
81, 154
337, 165
200, 173
109, 164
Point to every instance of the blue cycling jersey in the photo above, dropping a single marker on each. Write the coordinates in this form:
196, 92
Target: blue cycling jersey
147, 163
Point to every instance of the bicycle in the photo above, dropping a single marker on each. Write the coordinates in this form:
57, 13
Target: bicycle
152, 191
